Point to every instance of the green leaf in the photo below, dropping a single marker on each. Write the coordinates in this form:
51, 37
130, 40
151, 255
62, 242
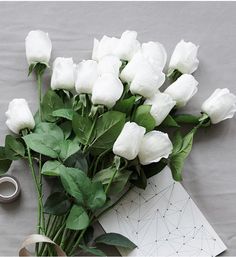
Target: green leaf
107, 129
78, 218
14, 149
82, 126
57, 204
64, 113
68, 148
92, 250
186, 118
116, 240
43, 143
66, 128
125, 105
143, 117
78, 161
140, 179
154, 168
177, 142
50, 129
4, 165
119, 181
178, 157
96, 196
170, 122
51, 168
51, 102
76, 183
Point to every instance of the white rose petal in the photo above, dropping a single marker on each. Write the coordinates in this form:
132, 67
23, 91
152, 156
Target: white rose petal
107, 90
154, 146
128, 142
184, 57
127, 46
221, 105
109, 64
63, 75
183, 89
38, 47
161, 105
147, 82
87, 74
104, 47
19, 116
155, 53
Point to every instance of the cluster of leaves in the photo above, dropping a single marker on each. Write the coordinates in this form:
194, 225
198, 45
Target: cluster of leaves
75, 141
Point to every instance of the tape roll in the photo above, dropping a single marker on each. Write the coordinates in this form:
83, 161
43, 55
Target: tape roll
13, 196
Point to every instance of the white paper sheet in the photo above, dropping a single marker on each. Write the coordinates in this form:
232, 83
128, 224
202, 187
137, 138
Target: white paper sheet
162, 220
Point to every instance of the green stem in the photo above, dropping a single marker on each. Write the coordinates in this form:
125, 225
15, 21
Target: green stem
37, 189
90, 133
39, 82
62, 244
77, 242
97, 161
110, 182
72, 238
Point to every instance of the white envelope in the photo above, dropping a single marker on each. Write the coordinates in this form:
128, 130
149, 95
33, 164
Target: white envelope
162, 220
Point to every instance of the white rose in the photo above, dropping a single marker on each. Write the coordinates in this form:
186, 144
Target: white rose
184, 57
107, 90
127, 45
152, 56
87, 74
146, 82
38, 47
161, 105
154, 146
109, 64
63, 75
155, 53
128, 142
183, 89
19, 116
135, 66
221, 105
104, 47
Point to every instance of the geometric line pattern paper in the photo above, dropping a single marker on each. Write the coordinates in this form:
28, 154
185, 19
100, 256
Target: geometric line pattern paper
162, 220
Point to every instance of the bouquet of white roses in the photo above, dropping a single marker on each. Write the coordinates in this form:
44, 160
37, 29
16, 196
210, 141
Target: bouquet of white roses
101, 129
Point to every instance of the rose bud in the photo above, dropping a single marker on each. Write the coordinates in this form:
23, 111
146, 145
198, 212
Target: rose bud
127, 45
184, 58
155, 53
161, 104
183, 89
128, 142
104, 47
107, 89
221, 105
19, 116
147, 82
109, 64
63, 75
87, 73
38, 47
152, 56
155, 145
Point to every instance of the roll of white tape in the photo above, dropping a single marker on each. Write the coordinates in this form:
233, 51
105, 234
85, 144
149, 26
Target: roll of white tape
8, 198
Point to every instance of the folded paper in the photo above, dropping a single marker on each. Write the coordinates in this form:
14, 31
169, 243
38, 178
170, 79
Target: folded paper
162, 220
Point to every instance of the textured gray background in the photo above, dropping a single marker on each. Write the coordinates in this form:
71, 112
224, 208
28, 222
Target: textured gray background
210, 172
